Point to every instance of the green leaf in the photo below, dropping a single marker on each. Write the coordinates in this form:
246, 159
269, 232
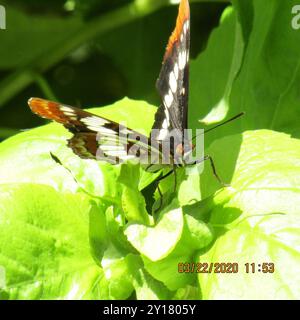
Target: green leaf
98, 231
171, 241
257, 219
156, 242
267, 86
213, 72
195, 235
146, 287
133, 203
187, 293
115, 222
26, 165
116, 283
44, 244
189, 189
249, 66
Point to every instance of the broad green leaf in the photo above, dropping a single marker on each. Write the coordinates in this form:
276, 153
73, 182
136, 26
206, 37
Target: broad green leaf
251, 64
187, 293
189, 189
133, 203
117, 283
115, 222
245, 13
44, 244
267, 85
146, 287
214, 70
196, 235
156, 242
98, 231
257, 219
125, 272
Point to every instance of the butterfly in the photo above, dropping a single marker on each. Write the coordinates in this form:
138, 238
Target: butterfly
96, 137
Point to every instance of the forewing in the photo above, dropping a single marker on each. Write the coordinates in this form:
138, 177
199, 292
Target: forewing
173, 81
96, 137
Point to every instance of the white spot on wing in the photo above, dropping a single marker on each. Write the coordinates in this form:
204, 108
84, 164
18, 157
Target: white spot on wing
104, 131
94, 128
116, 153
165, 124
167, 115
168, 99
125, 131
176, 70
173, 82
110, 147
182, 60
66, 109
186, 26
163, 133
128, 157
69, 114
94, 121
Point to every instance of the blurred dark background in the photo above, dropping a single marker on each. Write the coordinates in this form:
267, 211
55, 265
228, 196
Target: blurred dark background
87, 53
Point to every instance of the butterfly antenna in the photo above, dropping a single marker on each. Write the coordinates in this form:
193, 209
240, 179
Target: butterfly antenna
220, 124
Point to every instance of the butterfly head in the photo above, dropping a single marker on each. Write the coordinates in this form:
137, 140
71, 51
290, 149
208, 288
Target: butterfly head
183, 151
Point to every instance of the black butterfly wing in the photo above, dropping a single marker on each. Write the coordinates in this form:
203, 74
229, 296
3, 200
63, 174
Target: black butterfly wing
173, 81
96, 137
99, 138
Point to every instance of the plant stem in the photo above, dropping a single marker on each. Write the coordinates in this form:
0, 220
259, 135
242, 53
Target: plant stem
44, 86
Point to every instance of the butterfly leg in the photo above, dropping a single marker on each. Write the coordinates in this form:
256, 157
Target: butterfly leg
56, 159
175, 178
213, 167
160, 199
165, 176
159, 190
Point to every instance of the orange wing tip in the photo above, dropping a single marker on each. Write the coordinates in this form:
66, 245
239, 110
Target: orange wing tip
36, 104
183, 16
32, 101
46, 109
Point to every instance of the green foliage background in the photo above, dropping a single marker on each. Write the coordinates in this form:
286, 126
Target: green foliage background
88, 232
